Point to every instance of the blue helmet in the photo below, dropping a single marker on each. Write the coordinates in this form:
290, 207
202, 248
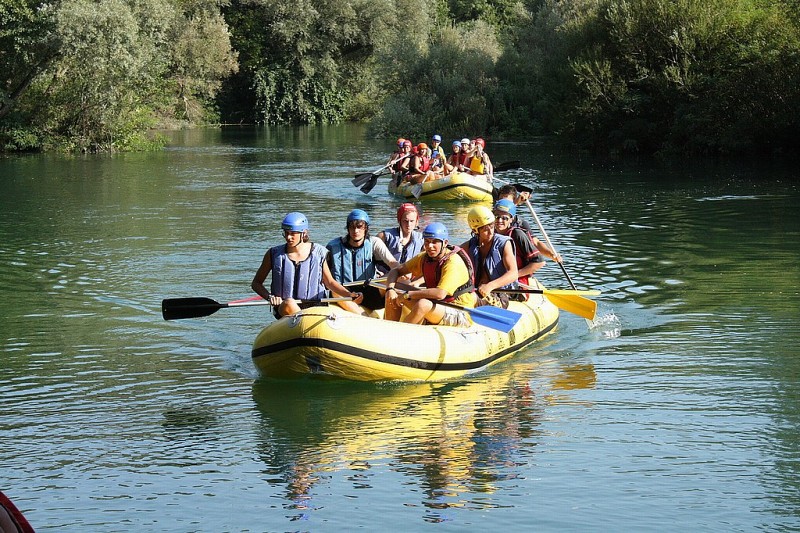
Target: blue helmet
457, 142
358, 214
295, 222
437, 137
507, 206
436, 230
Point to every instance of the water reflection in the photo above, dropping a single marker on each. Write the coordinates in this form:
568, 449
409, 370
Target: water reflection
457, 443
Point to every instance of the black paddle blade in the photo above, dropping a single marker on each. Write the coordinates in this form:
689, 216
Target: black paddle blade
361, 179
508, 165
177, 308
370, 184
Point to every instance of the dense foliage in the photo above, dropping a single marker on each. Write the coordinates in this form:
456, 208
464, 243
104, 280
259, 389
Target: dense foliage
88, 75
640, 76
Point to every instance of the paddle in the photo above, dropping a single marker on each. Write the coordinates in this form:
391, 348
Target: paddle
361, 179
566, 300
416, 190
557, 292
589, 313
487, 316
368, 180
508, 165
177, 308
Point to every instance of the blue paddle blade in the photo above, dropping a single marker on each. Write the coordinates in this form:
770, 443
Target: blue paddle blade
494, 317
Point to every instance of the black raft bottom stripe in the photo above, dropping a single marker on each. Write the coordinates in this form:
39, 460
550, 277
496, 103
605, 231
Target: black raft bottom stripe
390, 359
456, 186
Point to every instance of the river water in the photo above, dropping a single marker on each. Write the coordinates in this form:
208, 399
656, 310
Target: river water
677, 410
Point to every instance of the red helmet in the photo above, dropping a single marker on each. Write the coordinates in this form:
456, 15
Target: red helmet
405, 208
407, 143
481, 142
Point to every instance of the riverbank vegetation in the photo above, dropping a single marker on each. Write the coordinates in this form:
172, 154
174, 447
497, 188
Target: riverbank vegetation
613, 76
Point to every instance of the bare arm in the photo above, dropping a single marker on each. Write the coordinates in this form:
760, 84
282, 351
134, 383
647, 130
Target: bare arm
381, 253
487, 165
543, 248
261, 275
335, 287
511, 275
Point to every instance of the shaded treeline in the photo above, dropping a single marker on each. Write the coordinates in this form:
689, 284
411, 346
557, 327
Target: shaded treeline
639, 76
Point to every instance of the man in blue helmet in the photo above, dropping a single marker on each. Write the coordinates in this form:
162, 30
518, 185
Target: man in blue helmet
448, 277
355, 256
438, 157
299, 270
528, 249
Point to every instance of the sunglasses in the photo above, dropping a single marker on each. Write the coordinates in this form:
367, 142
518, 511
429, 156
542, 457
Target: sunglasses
504, 217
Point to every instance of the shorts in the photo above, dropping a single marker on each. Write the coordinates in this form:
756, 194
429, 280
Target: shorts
455, 317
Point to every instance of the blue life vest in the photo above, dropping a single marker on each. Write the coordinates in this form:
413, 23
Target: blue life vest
350, 264
493, 262
392, 240
301, 281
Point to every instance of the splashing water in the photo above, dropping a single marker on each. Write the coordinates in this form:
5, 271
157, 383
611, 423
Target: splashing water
607, 325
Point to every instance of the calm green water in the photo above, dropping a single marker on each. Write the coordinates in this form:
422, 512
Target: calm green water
679, 410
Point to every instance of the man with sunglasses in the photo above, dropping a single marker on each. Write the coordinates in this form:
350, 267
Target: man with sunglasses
528, 249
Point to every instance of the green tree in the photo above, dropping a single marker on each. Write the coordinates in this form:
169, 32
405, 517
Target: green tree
716, 76
304, 62
28, 45
87, 75
202, 57
454, 89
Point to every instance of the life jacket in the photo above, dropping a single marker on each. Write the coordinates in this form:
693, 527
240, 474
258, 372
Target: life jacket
492, 264
350, 264
432, 271
426, 163
476, 164
401, 253
398, 166
463, 158
301, 281
517, 234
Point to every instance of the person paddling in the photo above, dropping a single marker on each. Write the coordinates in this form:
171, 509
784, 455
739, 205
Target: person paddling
529, 250
480, 164
448, 277
516, 197
405, 240
356, 256
299, 270
419, 170
492, 256
454, 161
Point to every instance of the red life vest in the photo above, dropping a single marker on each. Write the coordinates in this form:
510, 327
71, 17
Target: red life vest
425, 163
521, 262
432, 271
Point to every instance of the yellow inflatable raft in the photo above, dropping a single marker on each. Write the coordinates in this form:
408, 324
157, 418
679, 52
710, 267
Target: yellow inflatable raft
456, 186
327, 341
